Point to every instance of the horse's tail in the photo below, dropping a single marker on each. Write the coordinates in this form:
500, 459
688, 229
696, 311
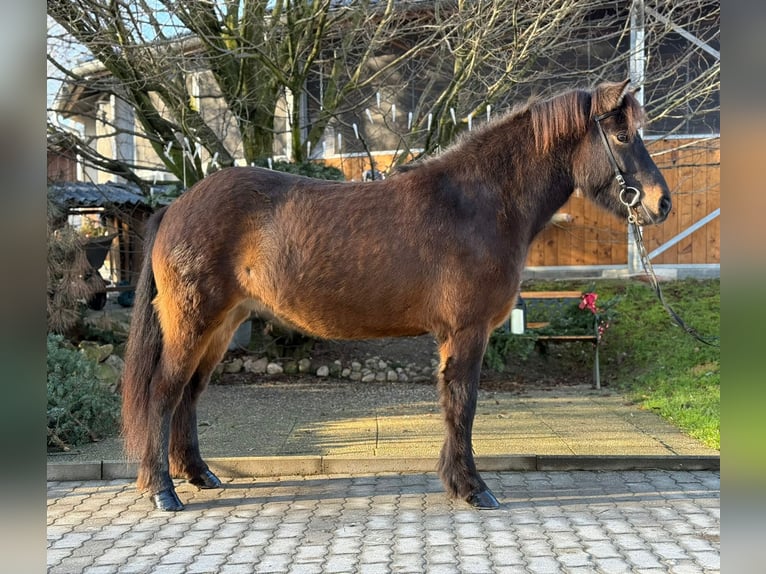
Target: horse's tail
142, 351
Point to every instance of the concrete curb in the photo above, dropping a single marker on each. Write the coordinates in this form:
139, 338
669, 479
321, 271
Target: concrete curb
273, 466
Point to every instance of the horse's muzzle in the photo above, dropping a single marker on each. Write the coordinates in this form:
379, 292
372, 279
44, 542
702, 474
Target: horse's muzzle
655, 206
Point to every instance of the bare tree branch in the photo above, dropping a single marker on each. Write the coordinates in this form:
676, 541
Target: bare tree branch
232, 76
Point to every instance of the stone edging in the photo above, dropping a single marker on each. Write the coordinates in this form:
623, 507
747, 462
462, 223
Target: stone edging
366, 371
273, 466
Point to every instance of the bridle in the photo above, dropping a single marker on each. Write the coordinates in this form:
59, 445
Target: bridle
630, 204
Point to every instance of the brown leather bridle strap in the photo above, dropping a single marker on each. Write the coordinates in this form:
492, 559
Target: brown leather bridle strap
630, 203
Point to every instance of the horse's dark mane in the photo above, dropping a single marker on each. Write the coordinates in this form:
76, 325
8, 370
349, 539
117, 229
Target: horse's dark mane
562, 116
568, 114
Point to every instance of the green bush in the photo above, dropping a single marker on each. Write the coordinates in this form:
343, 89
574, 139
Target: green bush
80, 408
504, 346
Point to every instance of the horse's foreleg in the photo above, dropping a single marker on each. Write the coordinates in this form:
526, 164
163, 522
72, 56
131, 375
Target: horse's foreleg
461, 355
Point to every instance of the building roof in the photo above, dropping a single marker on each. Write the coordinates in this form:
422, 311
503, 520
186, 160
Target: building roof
86, 194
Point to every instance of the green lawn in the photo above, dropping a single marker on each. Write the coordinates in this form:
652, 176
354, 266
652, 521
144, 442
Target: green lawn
653, 361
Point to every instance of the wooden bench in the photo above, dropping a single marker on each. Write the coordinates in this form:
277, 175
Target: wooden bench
537, 302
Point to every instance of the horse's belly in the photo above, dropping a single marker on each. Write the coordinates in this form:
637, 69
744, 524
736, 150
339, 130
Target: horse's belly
328, 316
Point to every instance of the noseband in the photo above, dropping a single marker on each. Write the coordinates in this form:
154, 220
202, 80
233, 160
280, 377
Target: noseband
629, 203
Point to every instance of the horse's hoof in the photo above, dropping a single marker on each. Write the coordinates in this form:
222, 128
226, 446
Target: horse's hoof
167, 500
483, 499
206, 480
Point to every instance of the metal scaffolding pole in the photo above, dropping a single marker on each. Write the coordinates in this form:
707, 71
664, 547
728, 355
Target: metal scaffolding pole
637, 67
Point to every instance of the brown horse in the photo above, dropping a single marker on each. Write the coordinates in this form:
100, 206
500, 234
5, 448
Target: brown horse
438, 248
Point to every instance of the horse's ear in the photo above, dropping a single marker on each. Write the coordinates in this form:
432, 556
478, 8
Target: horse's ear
609, 95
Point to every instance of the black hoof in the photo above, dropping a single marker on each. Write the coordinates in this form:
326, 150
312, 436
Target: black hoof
206, 480
167, 500
483, 499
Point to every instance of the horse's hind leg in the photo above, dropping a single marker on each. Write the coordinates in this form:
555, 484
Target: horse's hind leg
166, 391
184, 454
185, 457
180, 376
461, 355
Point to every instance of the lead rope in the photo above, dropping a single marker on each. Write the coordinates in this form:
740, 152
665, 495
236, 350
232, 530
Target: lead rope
713, 341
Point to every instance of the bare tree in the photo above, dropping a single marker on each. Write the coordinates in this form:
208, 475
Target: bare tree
224, 78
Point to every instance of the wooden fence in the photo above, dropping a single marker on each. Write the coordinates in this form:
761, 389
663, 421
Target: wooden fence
692, 170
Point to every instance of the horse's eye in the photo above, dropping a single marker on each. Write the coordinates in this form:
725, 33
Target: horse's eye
622, 137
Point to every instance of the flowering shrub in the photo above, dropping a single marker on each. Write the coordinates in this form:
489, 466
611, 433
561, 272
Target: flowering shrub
560, 317
581, 318
588, 302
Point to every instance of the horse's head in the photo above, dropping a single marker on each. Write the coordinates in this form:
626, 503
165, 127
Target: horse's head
612, 165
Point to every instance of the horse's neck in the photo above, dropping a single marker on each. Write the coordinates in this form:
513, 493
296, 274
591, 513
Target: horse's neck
532, 185
546, 199
539, 186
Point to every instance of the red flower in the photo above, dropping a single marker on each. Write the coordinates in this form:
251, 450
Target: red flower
589, 302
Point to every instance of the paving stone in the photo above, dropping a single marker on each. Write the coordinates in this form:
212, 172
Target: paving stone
408, 545
310, 553
446, 568
374, 553
155, 547
240, 568
180, 555
506, 555
476, 564
686, 567
564, 540
669, 551
695, 543
340, 563
407, 563
273, 563
628, 542
643, 559
112, 569
542, 564
440, 555
115, 555
408, 529
72, 540
139, 565
471, 546
611, 566
574, 558
708, 560
246, 555
75, 563
555, 521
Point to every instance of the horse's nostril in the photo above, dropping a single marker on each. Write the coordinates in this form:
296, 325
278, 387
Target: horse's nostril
665, 205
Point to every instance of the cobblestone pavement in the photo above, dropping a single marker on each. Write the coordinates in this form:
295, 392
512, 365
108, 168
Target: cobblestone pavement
574, 522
